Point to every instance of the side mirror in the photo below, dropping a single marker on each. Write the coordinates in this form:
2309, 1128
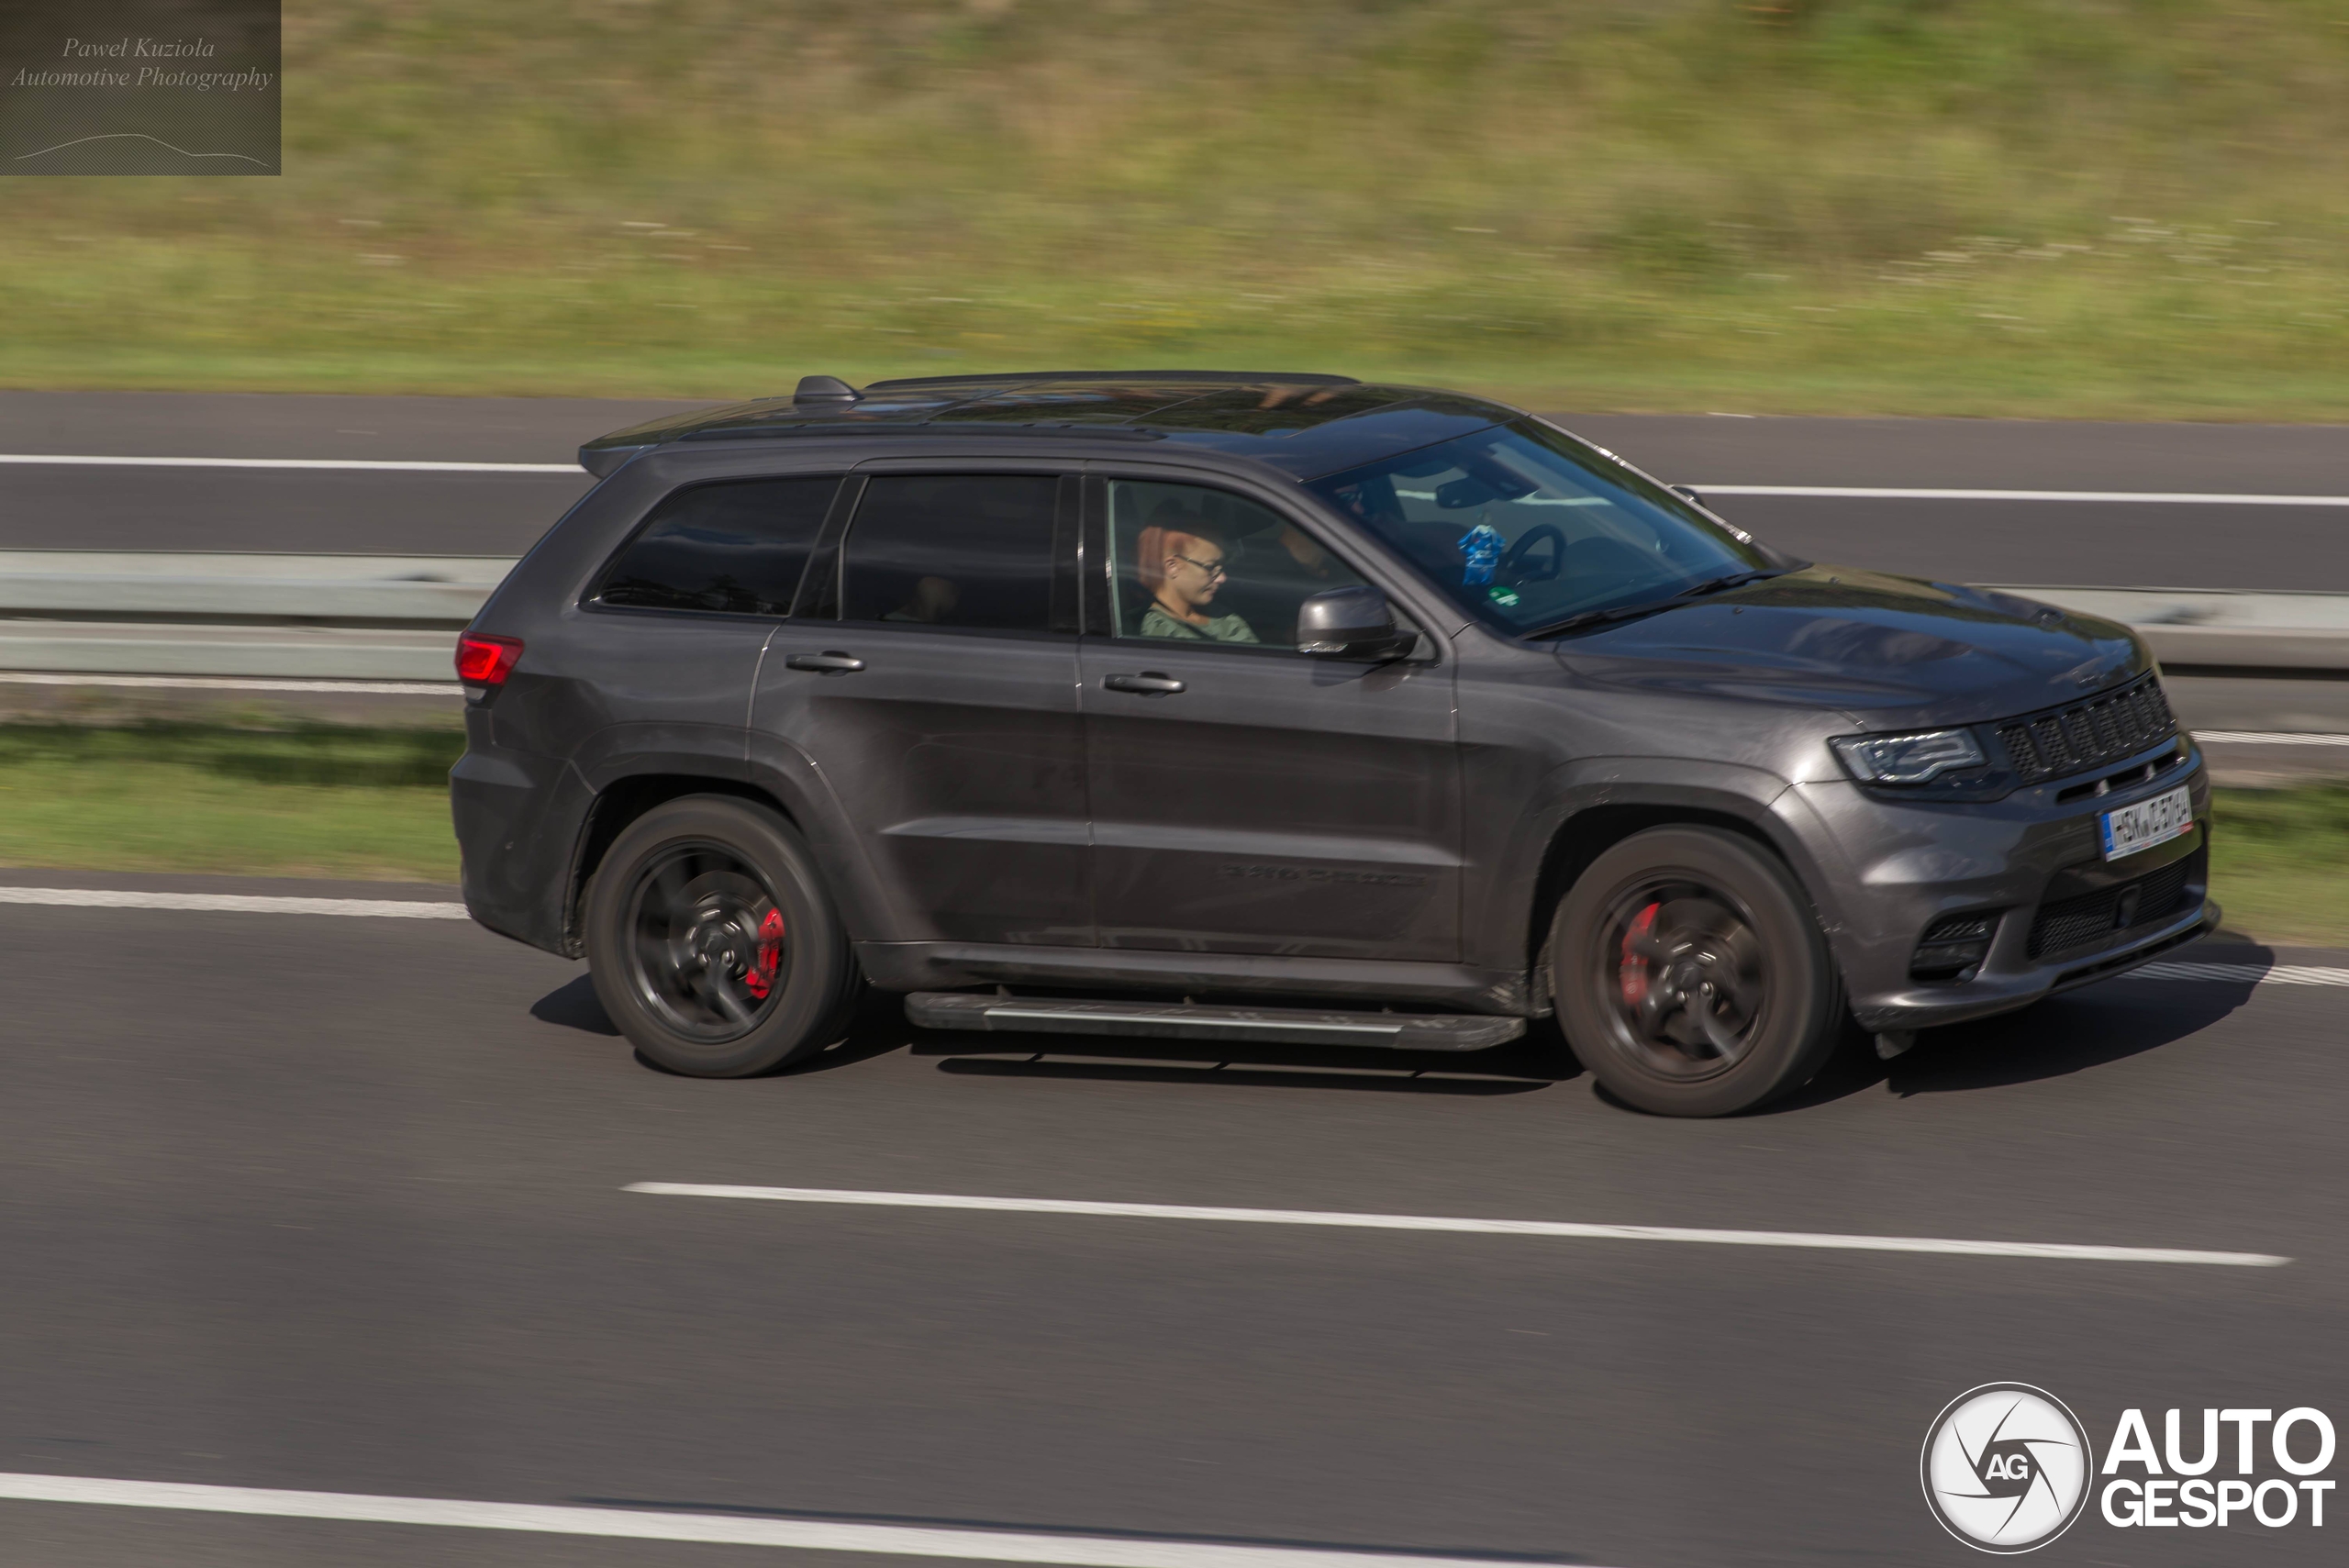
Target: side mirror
1354, 624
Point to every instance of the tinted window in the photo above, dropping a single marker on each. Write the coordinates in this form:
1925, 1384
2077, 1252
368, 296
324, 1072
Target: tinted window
737, 547
1523, 526
1198, 565
952, 549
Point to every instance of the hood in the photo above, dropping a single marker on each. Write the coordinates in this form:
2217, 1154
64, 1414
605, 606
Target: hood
1892, 653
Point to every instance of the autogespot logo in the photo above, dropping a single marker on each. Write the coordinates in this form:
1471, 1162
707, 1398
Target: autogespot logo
2006, 1467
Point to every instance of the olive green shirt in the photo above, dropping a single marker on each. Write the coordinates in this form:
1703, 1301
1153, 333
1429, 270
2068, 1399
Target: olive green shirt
1156, 622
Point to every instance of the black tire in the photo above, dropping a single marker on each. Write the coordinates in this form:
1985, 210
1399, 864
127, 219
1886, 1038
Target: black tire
1690, 975
712, 943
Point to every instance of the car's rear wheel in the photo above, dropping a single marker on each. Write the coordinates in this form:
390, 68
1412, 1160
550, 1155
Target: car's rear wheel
1690, 975
711, 943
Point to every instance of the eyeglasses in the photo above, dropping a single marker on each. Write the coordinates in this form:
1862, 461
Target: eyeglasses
1212, 568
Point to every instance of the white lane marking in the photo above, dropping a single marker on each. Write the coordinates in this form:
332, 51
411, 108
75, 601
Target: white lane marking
235, 683
2268, 738
234, 902
1863, 493
1473, 1226
2241, 974
2123, 497
393, 465
726, 1530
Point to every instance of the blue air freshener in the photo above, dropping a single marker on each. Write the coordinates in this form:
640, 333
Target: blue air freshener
1481, 547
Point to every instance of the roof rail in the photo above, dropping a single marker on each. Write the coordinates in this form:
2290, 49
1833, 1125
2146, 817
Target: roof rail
1016, 378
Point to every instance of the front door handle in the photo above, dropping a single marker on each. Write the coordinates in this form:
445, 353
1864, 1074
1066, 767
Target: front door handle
1149, 684
827, 664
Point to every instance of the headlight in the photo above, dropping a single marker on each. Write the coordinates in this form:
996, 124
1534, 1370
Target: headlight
1908, 759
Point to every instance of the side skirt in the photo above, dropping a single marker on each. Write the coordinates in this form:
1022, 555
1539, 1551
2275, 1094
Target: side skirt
1182, 1020
938, 966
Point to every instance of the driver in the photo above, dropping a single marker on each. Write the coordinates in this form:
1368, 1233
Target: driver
1180, 560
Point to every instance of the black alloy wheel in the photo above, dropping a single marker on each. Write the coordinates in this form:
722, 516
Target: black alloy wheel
1690, 975
1691, 986
712, 943
707, 942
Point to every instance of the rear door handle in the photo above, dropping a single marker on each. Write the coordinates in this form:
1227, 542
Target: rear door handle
828, 664
1149, 684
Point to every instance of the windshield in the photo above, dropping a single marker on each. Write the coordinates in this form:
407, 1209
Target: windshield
1524, 526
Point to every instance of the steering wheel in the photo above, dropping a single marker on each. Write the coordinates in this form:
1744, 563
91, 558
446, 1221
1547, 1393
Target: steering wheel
1510, 569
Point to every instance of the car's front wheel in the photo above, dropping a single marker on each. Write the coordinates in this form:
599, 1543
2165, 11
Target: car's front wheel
711, 943
1690, 975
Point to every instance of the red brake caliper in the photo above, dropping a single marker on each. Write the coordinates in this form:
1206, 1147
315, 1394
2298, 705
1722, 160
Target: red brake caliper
761, 979
1633, 973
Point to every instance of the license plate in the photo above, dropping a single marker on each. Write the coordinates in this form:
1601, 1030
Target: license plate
2129, 829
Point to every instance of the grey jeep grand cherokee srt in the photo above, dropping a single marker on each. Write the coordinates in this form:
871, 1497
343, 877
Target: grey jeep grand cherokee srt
1285, 707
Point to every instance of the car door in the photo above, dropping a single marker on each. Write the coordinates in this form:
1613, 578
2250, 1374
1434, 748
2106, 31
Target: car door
1246, 798
931, 679
667, 641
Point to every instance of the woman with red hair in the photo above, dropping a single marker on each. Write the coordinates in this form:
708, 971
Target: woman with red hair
1179, 560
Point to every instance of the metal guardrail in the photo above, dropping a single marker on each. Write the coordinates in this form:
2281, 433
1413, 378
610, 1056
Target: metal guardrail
2222, 628
313, 617
390, 618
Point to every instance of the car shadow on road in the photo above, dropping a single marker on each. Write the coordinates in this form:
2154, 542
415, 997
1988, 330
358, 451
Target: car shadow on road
573, 1005
2071, 1033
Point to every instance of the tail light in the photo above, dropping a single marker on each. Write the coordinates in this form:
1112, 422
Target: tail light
486, 660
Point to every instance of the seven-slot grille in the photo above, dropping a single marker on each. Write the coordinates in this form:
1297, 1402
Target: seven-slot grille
2090, 734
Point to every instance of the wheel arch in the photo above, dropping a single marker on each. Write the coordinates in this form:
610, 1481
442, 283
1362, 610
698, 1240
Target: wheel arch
1586, 835
623, 801
1585, 816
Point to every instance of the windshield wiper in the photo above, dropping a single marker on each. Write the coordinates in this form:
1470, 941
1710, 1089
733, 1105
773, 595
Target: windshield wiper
1628, 612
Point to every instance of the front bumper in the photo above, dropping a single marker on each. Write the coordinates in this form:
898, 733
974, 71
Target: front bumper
1919, 1006
2036, 861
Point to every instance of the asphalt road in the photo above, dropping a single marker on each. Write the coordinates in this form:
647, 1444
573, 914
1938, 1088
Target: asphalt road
336, 1204
499, 513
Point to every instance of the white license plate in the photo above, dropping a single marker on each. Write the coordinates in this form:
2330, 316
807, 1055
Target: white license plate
2130, 829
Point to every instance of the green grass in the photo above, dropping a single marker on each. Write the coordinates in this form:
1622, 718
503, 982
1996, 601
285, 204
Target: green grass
367, 804
2279, 863
2119, 207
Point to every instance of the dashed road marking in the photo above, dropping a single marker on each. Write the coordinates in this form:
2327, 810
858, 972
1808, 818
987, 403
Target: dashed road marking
234, 683
234, 902
2076, 1253
2242, 973
2111, 497
2268, 738
724, 1530
39, 460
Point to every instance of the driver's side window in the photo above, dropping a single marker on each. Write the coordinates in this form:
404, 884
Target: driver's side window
1193, 564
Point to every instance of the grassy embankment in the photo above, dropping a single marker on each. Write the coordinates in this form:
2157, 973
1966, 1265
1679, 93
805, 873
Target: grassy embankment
319, 801
2126, 207
327, 801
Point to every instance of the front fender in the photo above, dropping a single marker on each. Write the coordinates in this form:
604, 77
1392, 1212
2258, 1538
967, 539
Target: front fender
1581, 806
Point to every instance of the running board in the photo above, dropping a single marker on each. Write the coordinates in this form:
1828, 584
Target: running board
1183, 1021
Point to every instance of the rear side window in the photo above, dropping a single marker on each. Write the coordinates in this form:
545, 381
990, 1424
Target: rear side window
953, 551
738, 547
